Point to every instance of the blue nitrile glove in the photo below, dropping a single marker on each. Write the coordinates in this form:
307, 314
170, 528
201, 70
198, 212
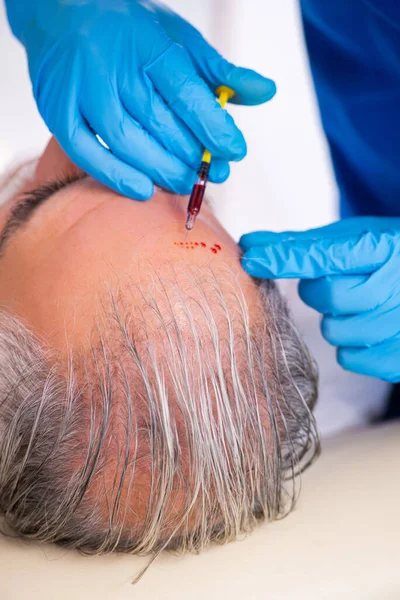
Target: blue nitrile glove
141, 78
350, 273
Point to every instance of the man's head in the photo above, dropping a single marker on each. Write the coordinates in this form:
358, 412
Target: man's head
151, 394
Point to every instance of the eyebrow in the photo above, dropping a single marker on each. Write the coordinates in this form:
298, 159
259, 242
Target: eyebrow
29, 202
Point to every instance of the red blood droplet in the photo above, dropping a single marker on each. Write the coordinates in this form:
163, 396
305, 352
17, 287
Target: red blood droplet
203, 245
214, 250
196, 243
217, 246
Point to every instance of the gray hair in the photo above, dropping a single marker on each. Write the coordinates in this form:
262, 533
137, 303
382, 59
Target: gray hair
209, 417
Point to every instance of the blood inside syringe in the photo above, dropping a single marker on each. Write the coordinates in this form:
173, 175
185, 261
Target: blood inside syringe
196, 200
197, 196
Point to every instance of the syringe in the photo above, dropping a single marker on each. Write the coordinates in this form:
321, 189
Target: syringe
196, 198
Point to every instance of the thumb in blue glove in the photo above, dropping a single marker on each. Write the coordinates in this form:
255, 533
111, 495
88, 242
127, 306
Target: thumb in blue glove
349, 273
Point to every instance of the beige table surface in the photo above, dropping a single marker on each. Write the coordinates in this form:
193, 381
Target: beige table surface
342, 542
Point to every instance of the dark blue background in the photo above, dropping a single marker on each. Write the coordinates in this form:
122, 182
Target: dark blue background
354, 48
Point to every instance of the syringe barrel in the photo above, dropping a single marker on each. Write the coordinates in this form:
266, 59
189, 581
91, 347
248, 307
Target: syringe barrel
199, 189
196, 198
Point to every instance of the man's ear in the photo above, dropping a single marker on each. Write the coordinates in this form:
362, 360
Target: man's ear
55, 164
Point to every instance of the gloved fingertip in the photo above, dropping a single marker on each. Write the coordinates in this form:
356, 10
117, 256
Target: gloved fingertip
260, 89
304, 290
219, 171
248, 265
245, 242
256, 266
345, 358
141, 193
251, 88
328, 331
268, 89
239, 149
223, 138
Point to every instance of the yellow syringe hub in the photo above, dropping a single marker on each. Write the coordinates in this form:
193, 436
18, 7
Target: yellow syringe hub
224, 94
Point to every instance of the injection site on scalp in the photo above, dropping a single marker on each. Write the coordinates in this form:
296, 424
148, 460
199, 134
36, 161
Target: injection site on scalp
198, 246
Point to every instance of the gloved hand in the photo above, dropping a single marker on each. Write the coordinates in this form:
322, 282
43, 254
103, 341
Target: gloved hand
142, 79
350, 273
